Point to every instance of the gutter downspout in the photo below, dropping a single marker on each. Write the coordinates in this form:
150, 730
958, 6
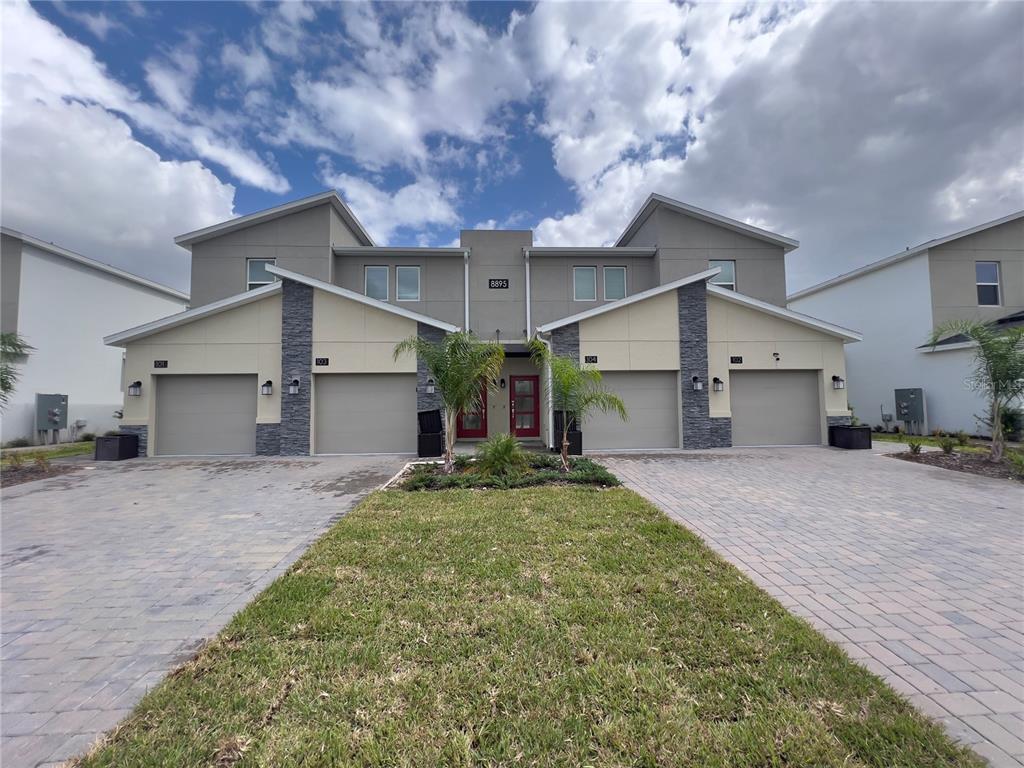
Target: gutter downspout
547, 387
529, 327
465, 286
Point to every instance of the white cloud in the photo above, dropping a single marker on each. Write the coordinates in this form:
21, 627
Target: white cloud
284, 27
253, 65
100, 24
173, 78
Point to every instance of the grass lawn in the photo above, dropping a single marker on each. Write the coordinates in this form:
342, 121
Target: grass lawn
542, 627
976, 446
58, 451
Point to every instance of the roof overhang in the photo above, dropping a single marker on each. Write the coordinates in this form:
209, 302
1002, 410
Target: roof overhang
585, 251
232, 225
951, 347
387, 250
99, 266
655, 201
359, 298
807, 321
183, 318
636, 297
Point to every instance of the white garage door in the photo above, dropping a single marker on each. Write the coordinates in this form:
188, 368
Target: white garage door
206, 415
775, 408
365, 413
652, 402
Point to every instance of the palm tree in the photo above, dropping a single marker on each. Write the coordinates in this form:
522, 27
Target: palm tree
998, 368
12, 349
462, 366
575, 390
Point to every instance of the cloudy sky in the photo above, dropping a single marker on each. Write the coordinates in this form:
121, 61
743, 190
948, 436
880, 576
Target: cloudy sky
857, 128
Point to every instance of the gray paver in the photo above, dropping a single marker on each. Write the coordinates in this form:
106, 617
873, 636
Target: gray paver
116, 573
917, 572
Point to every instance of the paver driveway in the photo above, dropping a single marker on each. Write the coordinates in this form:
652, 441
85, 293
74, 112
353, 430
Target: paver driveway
917, 572
112, 575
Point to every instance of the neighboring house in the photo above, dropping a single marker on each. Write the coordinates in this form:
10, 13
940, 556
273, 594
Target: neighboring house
289, 349
63, 304
976, 274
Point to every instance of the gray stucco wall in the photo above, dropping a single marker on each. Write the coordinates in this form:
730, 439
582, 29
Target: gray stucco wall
699, 429
142, 431
268, 439
551, 282
497, 254
296, 363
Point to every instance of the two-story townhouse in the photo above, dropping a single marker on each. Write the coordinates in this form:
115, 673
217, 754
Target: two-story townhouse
289, 349
975, 274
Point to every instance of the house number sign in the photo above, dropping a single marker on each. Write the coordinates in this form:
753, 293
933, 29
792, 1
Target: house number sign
736, 359
590, 359
159, 363
323, 361
497, 282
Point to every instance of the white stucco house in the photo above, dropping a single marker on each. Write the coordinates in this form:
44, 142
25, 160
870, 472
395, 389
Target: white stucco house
975, 274
63, 304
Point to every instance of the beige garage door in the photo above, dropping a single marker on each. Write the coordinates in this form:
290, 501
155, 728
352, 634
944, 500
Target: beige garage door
775, 408
205, 415
651, 400
365, 413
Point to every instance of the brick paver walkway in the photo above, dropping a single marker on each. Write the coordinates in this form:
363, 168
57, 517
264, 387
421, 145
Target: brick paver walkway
113, 575
917, 572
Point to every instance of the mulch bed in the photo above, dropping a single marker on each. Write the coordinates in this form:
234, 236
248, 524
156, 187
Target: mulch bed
972, 463
29, 471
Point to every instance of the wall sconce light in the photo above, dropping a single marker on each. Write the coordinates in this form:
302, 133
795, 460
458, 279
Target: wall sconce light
717, 384
135, 389
267, 387
503, 383
430, 386
698, 385
838, 382
293, 388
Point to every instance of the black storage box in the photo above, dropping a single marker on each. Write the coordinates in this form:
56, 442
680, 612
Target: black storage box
430, 442
117, 447
575, 435
849, 437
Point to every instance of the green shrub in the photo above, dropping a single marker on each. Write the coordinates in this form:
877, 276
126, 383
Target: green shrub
541, 469
18, 442
947, 443
1013, 423
962, 438
15, 460
914, 444
500, 456
1016, 461
461, 461
40, 460
87, 437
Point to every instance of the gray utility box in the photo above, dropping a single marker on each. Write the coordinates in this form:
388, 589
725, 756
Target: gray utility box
910, 408
51, 412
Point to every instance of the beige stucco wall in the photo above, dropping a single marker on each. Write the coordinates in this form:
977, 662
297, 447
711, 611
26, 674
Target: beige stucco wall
638, 337
738, 330
245, 339
357, 338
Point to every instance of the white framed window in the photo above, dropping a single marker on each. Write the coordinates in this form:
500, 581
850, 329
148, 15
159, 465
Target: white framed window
407, 283
375, 282
584, 283
614, 283
727, 277
986, 276
256, 274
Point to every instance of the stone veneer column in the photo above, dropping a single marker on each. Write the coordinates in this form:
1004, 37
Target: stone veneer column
296, 363
142, 431
424, 401
699, 429
565, 341
268, 438
839, 421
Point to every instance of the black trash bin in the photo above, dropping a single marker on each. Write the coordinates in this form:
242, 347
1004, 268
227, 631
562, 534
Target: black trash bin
430, 442
849, 437
116, 447
575, 435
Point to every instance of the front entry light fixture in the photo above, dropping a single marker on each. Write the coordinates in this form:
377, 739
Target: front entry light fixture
135, 389
698, 385
267, 388
838, 382
293, 388
717, 384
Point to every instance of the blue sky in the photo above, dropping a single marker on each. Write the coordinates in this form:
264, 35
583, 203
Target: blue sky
857, 128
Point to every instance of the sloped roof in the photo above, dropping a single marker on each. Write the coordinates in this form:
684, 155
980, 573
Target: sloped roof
99, 266
959, 341
654, 201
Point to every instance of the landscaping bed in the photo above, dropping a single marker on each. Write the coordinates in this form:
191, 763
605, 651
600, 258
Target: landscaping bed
536, 627
537, 469
973, 463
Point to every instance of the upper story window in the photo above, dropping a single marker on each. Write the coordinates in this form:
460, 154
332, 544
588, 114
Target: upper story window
584, 283
986, 275
407, 283
614, 283
256, 273
727, 277
376, 283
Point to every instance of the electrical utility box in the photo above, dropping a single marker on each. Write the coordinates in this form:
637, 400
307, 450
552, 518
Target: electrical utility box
910, 409
51, 412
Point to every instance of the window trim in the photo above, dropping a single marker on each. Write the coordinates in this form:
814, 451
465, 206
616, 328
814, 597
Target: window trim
251, 285
387, 280
593, 269
604, 279
728, 286
997, 284
419, 284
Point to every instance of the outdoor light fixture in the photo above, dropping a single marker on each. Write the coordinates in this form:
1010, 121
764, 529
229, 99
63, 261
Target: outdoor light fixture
502, 383
717, 384
293, 388
698, 385
135, 389
838, 382
430, 386
267, 388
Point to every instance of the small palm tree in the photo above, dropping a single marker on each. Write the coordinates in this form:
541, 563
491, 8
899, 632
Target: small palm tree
462, 366
575, 390
998, 368
12, 349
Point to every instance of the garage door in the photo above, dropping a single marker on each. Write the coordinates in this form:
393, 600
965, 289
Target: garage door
205, 415
651, 399
365, 413
775, 408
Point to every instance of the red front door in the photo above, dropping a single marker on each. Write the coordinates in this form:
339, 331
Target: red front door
524, 406
474, 424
